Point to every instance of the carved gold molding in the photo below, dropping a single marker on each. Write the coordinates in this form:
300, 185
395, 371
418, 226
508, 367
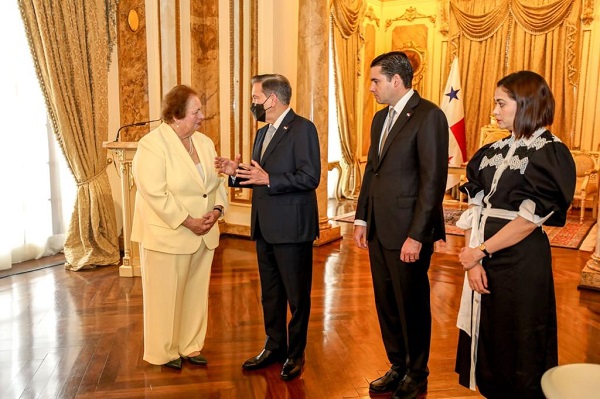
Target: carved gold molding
417, 56
444, 20
370, 15
587, 14
572, 74
410, 15
453, 45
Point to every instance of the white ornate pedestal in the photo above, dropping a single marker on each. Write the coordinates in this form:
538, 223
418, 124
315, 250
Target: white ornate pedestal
590, 275
123, 155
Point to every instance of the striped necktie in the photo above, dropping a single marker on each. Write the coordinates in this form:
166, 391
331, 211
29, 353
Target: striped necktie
388, 128
268, 136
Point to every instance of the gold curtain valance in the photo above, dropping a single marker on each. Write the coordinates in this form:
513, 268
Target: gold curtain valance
482, 26
348, 16
542, 19
532, 19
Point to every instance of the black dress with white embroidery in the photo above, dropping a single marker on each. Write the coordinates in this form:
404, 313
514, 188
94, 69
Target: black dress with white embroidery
534, 178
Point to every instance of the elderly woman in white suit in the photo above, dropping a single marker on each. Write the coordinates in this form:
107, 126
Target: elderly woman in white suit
180, 197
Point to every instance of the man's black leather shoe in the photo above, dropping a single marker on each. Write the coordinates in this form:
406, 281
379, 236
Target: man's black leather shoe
198, 360
410, 388
264, 359
174, 364
388, 383
292, 368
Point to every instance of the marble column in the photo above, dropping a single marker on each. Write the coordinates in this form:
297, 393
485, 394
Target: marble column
590, 275
312, 92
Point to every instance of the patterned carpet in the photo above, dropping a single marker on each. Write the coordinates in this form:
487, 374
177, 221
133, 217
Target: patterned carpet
569, 236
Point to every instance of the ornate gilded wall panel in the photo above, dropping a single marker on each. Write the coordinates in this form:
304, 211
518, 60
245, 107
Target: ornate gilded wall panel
415, 49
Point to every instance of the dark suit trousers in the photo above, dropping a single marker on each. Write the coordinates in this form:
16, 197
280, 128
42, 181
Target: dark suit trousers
403, 306
285, 277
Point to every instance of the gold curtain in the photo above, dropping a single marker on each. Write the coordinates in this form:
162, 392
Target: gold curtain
346, 20
494, 38
71, 41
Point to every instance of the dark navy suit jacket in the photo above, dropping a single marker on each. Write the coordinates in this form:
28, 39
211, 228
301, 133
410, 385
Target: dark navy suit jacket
286, 211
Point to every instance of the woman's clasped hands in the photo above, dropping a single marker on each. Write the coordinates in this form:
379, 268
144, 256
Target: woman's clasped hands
202, 225
470, 259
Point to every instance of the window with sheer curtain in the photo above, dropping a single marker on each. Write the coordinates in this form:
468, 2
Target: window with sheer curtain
38, 190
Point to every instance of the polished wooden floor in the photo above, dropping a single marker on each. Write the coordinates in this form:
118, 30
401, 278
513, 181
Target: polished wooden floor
79, 334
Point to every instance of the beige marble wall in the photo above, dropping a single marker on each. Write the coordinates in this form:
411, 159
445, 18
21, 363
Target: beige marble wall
205, 63
133, 67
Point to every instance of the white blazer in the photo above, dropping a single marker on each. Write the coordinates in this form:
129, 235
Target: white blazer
169, 188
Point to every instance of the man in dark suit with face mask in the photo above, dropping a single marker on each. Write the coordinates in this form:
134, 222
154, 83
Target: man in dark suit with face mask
399, 216
284, 173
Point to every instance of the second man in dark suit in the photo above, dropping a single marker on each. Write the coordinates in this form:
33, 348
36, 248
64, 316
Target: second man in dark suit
399, 216
284, 173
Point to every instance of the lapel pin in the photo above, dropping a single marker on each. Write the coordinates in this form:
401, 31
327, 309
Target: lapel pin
285, 128
408, 114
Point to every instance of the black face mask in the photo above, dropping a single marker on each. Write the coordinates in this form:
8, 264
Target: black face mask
259, 111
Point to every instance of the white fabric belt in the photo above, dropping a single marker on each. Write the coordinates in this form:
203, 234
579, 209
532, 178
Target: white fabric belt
499, 213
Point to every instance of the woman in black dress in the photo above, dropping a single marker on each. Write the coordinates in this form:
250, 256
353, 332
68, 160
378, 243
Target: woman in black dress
508, 336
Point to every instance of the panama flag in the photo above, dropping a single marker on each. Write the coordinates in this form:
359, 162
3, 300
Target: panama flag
452, 105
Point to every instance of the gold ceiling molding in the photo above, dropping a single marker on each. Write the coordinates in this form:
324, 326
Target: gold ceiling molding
370, 15
410, 15
587, 14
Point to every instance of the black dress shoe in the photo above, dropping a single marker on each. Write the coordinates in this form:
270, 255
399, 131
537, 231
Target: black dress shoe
264, 359
198, 360
388, 383
174, 364
410, 388
292, 368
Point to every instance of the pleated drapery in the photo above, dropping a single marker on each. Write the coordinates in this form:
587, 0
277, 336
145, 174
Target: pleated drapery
497, 37
346, 21
71, 42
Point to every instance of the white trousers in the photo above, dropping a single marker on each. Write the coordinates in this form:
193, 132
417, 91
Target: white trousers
175, 292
